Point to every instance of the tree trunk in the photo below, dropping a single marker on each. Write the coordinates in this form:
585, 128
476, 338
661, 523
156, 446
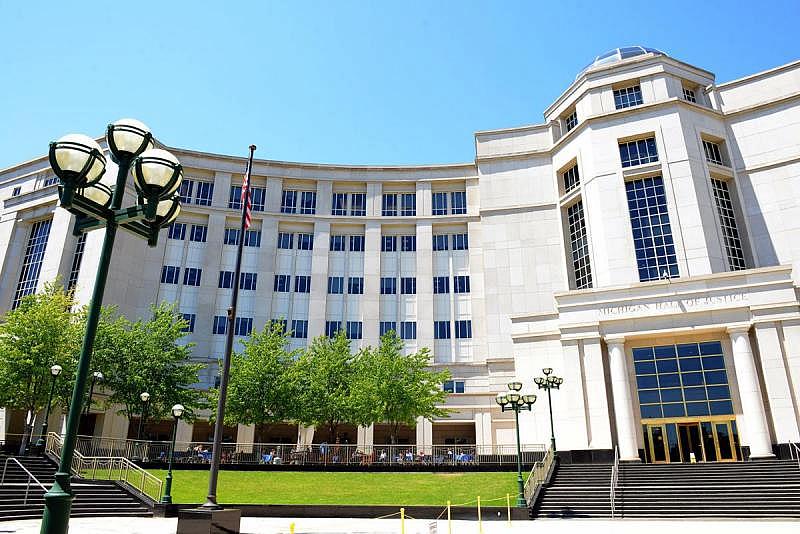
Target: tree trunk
26, 433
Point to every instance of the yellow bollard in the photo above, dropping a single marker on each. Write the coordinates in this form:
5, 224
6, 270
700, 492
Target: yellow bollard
402, 521
480, 524
449, 522
508, 508
291, 528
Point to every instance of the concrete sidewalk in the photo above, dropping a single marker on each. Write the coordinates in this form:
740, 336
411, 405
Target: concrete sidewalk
253, 525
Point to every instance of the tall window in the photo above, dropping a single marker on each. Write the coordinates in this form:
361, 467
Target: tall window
305, 241
713, 152
190, 319
686, 380
199, 233
458, 202
638, 152
652, 234
440, 242
339, 204
225, 280
235, 198
570, 178
220, 325
191, 276
204, 192
332, 328
389, 205
185, 191
579, 246
461, 284
77, 259
299, 328
32, 262
440, 203
388, 286
170, 274
285, 240
408, 285
335, 285
408, 243
289, 201
356, 243
302, 284
308, 202
242, 326
460, 242
408, 206
358, 207
463, 329
571, 121
727, 219
252, 238
689, 95
441, 330
282, 283
337, 243
387, 326
441, 284
258, 198
353, 330
176, 231
248, 281
408, 330
355, 285
628, 97
231, 236
388, 243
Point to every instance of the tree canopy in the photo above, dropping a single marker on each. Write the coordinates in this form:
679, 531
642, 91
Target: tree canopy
147, 355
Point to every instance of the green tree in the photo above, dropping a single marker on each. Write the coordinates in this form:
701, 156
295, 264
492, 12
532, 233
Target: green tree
147, 355
261, 388
325, 377
39, 333
397, 389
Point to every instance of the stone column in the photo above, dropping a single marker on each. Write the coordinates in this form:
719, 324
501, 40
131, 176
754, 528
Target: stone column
425, 435
756, 432
623, 407
365, 438
245, 436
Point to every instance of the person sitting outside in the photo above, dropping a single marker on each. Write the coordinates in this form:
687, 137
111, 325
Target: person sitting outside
382, 457
409, 457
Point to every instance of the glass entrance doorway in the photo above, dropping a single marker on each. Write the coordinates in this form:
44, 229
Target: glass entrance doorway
707, 439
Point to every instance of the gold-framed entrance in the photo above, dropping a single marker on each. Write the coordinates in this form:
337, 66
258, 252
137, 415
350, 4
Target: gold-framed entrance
687, 439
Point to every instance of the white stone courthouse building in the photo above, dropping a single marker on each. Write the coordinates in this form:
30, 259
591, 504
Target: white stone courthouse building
643, 241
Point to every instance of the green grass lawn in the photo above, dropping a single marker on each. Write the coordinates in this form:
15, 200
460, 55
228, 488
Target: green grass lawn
305, 487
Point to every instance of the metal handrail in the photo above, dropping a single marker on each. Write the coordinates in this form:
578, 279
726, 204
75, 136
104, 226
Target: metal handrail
614, 480
110, 468
538, 474
794, 452
30, 476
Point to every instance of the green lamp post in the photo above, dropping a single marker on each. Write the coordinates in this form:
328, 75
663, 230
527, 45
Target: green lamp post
549, 381
514, 401
55, 370
145, 398
95, 198
177, 412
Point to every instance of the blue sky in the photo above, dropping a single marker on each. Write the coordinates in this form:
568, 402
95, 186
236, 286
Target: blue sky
340, 82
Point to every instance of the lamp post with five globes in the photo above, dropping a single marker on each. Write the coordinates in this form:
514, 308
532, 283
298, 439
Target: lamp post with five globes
95, 198
550, 381
55, 370
513, 400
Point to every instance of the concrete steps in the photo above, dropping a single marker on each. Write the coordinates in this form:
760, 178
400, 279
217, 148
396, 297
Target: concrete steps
757, 490
92, 498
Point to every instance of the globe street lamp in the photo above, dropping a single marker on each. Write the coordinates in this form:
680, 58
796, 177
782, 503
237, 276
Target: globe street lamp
97, 376
514, 401
177, 412
95, 198
549, 381
55, 370
145, 398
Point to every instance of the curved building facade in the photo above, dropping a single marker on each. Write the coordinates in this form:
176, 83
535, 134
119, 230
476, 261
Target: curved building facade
642, 241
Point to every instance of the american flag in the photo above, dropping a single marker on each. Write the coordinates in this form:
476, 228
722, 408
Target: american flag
246, 196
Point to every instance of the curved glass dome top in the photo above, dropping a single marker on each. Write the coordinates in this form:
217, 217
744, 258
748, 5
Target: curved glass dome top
618, 54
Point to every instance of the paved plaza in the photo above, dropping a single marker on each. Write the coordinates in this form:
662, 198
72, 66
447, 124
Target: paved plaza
252, 525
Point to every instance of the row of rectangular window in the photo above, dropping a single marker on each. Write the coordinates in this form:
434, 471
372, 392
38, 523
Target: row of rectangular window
358, 204
283, 283
308, 202
258, 196
304, 241
247, 281
170, 274
198, 232
458, 202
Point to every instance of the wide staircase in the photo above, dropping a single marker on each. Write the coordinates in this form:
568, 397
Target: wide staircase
93, 498
757, 490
